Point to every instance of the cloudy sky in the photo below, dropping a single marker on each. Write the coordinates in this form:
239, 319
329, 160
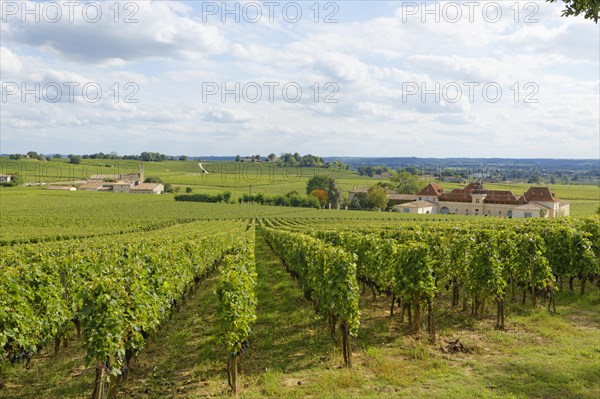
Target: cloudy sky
344, 78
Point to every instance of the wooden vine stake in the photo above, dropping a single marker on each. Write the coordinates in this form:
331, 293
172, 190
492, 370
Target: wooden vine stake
431, 321
346, 347
500, 313
232, 372
102, 383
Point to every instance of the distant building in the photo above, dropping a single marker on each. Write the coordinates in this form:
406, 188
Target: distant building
61, 188
91, 186
135, 178
148, 188
122, 187
421, 207
474, 199
5, 178
127, 183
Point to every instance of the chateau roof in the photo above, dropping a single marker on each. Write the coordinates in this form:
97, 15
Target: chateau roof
539, 194
431, 190
491, 196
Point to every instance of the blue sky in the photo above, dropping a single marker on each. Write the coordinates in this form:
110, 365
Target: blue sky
389, 78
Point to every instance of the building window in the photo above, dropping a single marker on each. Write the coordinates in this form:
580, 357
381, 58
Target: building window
477, 201
527, 214
406, 210
499, 212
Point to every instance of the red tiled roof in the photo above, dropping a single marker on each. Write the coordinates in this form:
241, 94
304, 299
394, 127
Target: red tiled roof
492, 196
431, 190
539, 194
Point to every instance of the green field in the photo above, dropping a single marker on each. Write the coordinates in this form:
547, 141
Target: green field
244, 178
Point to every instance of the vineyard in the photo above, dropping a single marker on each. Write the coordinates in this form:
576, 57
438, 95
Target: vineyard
261, 303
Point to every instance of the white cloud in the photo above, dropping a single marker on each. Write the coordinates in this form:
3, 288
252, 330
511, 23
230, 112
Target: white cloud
170, 53
163, 31
227, 116
10, 64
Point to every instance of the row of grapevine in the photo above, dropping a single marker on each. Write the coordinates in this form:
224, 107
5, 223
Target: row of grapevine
328, 277
481, 260
237, 301
116, 293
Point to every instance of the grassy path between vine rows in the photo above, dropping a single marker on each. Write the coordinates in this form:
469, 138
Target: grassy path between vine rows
292, 356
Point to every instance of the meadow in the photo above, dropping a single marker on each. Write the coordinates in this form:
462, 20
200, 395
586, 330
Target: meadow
252, 178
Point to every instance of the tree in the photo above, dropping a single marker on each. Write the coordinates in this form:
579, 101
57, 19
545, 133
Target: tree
74, 159
238, 158
271, 157
152, 179
327, 184
32, 154
589, 8
317, 183
535, 179
378, 196
335, 194
360, 201
152, 157
598, 210
57, 156
188, 190
411, 169
16, 180
407, 183
321, 195
183, 158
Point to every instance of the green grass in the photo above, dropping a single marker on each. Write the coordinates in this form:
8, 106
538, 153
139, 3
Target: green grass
242, 178
292, 356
